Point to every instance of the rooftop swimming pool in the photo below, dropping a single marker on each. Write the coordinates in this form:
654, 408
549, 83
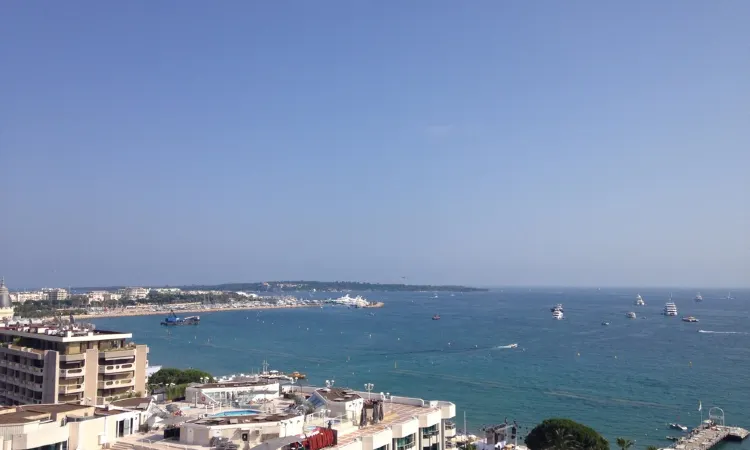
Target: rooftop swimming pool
239, 412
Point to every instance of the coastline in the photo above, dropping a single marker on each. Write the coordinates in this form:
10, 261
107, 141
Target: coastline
149, 312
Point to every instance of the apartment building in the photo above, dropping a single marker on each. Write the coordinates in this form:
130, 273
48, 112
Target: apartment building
62, 363
136, 293
56, 295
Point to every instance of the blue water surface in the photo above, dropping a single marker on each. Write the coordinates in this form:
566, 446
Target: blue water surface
627, 379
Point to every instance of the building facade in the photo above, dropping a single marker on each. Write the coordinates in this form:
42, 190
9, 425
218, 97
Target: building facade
57, 294
65, 426
48, 363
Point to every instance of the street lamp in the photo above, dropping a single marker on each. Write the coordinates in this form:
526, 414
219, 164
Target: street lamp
368, 388
329, 383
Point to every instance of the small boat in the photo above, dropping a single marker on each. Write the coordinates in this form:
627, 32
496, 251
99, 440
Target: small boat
436, 317
605, 323
630, 315
698, 297
639, 301
513, 346
677, 426
689, 319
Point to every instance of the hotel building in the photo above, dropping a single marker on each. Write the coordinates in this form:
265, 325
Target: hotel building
55, 363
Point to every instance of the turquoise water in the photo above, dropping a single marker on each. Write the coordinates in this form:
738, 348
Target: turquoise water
627, 379
239, 412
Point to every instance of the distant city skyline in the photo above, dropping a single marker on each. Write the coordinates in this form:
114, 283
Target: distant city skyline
485, 143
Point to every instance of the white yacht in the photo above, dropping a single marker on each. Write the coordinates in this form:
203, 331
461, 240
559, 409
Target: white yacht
557, 314
670, 309
639, 301
630, 315
557, 307
698, 297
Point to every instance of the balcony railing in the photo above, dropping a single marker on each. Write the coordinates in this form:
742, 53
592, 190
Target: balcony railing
111, 384
117, 353
68, 373
70, 388
450, 426
116, 368
408, 446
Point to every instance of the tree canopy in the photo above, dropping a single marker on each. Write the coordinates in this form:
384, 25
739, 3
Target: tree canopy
169, 375
564, 434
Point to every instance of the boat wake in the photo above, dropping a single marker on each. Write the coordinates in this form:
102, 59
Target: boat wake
507, 346
722, 332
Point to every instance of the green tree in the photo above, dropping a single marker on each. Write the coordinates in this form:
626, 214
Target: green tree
165, 376
564, 434
652, 447
624, 444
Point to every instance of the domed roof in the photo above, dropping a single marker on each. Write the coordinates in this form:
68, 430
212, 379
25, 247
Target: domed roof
4, 295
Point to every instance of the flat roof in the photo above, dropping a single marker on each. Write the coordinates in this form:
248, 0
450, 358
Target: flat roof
33, 413
239, 420
232, 384
393, 413
338, 394
38, 332
53, 408
133, 403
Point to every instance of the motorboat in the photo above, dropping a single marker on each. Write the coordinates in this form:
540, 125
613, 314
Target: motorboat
639, 301
557, 314
677, 426
557, 307
670, 309
513, 346
630, 315
173, 320
436, 317
698, 297
605, 323
689, 319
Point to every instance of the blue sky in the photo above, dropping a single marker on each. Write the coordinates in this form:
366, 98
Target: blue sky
485, 142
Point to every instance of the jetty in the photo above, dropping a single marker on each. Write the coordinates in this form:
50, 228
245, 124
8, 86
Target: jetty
710, 433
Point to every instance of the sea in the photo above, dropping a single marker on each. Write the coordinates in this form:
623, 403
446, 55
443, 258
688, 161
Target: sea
629, 379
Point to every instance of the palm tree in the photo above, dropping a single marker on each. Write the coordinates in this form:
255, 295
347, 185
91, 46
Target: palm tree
624, 444
561, 440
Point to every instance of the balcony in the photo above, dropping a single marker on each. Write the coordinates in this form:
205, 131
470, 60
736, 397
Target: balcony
34, 386
32, 370
73, 357
113, 384
70, 388
118, 353
71, 373
117, 368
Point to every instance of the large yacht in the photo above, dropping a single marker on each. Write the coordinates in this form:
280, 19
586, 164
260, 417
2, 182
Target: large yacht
670, 309
639, 301
557, 307
698, 297
557, 314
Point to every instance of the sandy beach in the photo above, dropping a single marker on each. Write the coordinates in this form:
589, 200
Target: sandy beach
196, 310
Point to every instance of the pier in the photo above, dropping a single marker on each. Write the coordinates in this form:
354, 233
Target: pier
706, 437
710, 433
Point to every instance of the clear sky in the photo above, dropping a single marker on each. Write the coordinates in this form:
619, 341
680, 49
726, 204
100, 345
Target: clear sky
478, 142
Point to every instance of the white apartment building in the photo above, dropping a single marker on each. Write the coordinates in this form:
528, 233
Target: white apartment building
136, 293
97, 296
65, 426
26, 296
56, 294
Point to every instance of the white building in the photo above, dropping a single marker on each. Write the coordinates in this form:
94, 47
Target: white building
56, 294
236, 393
97, 296
65, 426
136, 293
26, 296
343, 420
167, 290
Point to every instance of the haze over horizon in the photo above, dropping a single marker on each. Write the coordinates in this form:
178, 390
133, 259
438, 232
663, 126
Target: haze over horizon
484, 143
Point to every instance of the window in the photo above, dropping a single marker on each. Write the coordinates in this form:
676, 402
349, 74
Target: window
404, 443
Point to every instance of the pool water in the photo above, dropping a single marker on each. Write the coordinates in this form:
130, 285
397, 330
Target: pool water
239, 412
